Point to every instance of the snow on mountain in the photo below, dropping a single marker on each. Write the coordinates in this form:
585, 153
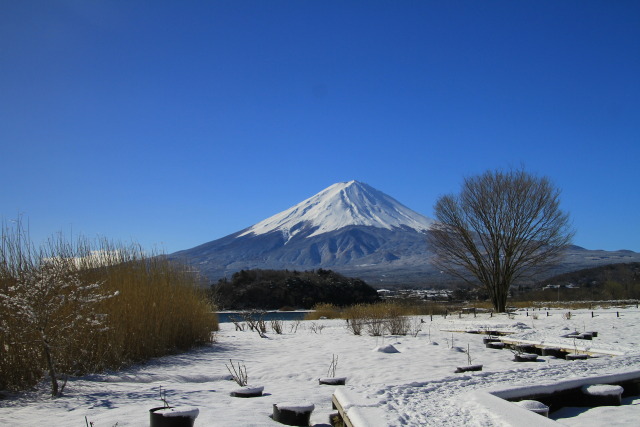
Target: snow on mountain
338, 206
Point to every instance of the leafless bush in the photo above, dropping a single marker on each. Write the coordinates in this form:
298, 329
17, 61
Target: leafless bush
262, 326
251, 318
375, 326
398, 325
163, 397
239, 373
415, 326
255, 321
294, 326
376, 320
468, 352
355, 317
316, 328
239, 324
355, 325
276, 326
331, 373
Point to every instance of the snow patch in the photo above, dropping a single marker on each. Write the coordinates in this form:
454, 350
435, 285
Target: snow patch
248, 390
297, 407
532, 405
389, 348
602, 390
181, 411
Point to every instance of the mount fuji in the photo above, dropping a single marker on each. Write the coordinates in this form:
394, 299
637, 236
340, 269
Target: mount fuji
349, 227
354, 229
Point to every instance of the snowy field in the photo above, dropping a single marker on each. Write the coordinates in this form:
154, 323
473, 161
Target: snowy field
413, 387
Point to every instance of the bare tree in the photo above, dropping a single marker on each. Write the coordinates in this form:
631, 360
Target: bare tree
501, 227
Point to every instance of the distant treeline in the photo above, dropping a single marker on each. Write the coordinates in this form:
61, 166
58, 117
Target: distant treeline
274, 289
624, 273
607, 282
604, 283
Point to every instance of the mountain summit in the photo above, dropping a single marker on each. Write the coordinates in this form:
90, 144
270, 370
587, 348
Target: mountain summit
338, 206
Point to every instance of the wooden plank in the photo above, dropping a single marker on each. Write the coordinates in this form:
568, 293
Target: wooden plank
343, 413
563, 347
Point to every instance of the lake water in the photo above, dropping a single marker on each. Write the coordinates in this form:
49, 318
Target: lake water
225, 316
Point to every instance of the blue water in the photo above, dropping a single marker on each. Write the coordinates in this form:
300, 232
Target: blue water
224, 317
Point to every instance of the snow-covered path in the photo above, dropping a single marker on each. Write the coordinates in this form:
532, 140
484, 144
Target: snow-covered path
445, 407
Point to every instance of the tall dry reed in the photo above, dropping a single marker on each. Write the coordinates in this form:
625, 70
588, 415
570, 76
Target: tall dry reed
323, 311
128, 307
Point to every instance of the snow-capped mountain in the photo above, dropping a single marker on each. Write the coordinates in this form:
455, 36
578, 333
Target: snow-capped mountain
352, 228
341, 205
349, 225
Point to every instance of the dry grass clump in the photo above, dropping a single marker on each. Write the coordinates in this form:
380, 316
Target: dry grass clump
572, 305
487, 305
421, 307
378, 319
159, 309
68, 309
356, 317
323, 311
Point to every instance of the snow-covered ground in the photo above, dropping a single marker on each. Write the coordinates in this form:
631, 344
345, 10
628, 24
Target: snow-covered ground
414, 386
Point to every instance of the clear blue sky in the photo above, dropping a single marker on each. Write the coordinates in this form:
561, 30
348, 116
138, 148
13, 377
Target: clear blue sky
174, 123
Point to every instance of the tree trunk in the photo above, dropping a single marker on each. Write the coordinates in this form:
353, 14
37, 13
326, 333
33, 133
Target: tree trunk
499, 306
52, 370
501, 298
498, 300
